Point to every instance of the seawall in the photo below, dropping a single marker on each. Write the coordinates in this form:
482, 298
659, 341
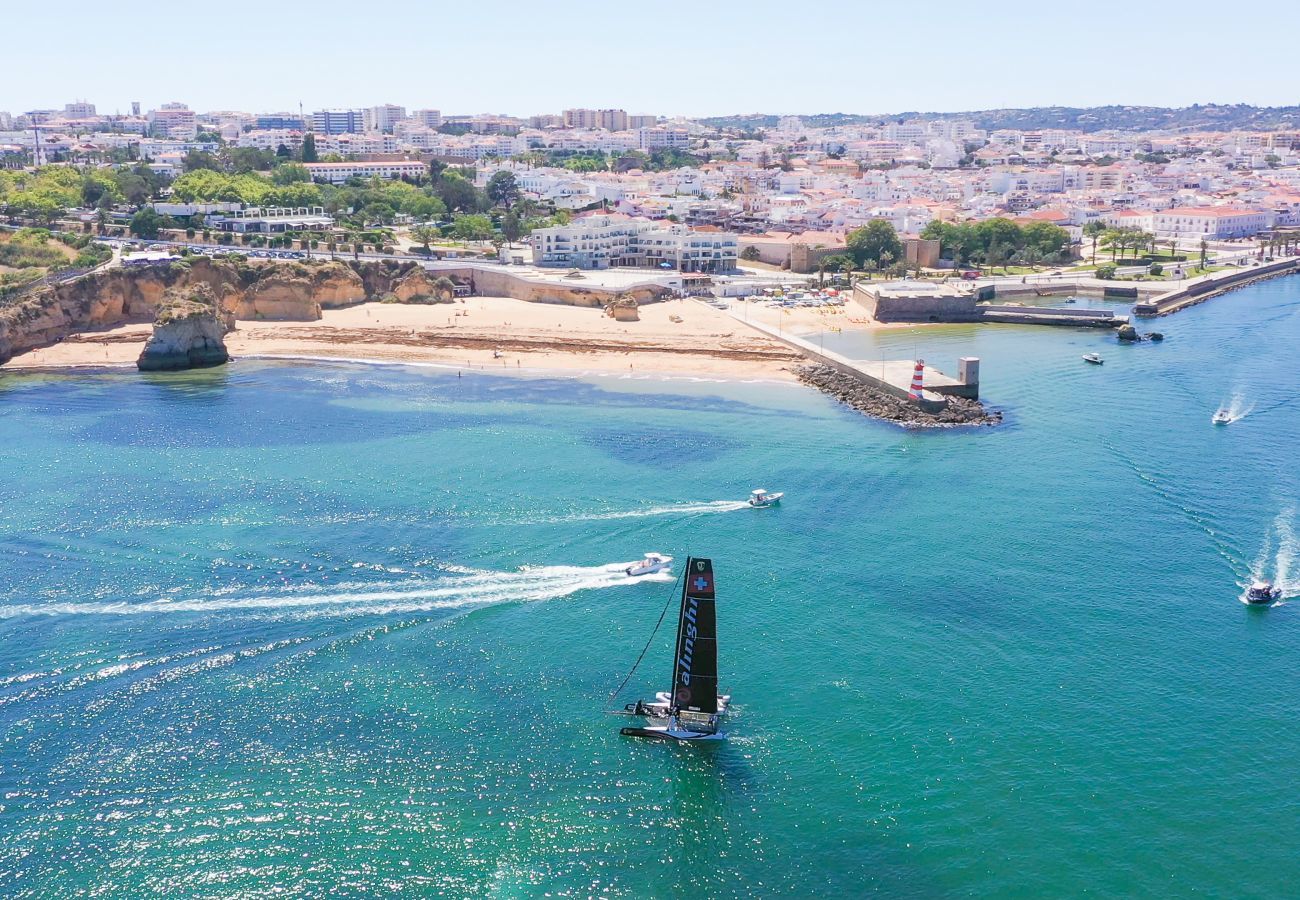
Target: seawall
1200, 290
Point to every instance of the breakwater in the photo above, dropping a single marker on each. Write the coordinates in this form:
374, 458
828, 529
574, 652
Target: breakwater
1200, 290
880, 404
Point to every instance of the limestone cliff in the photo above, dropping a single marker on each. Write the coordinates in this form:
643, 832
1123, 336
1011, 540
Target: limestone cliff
188, 332
292, 291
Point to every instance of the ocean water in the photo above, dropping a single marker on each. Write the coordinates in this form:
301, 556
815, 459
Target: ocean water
332, 629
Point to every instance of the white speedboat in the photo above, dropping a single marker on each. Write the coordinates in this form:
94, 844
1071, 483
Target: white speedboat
1262, 592
1094, 358
761, 498
653, 562
1221, 418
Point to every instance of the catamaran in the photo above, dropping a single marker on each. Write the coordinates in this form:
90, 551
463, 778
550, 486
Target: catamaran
692, 709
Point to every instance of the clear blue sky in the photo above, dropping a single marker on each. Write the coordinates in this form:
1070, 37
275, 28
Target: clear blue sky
700, 57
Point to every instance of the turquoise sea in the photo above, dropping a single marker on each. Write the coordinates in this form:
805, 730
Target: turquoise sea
346, 630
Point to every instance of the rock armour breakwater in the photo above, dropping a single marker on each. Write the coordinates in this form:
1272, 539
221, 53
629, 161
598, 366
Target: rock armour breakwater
880, 405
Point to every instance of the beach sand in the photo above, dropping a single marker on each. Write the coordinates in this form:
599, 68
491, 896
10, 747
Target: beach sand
491, 333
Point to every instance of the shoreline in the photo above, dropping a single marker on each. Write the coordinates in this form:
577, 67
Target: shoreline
677, 339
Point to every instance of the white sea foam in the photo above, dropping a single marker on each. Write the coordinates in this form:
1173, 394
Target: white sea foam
668, 509
525, 585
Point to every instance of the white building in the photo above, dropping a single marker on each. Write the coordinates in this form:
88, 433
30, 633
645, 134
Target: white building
429, 118
337, 173
603, 240
383, 117
1210, 223
173, 120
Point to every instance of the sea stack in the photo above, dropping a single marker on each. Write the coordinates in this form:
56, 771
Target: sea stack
188, 333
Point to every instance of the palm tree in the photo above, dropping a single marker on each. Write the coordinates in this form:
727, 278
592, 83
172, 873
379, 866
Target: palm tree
1094, 229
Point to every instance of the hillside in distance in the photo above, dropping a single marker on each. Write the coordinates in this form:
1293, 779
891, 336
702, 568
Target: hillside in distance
1198, 117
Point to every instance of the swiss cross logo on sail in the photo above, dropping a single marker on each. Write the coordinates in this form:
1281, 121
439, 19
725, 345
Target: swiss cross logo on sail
701, 582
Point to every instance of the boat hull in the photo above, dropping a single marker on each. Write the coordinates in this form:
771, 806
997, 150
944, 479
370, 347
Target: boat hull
664, 734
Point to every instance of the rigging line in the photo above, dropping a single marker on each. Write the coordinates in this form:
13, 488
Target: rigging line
662, 614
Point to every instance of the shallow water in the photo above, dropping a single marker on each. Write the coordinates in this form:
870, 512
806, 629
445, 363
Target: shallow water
335, 628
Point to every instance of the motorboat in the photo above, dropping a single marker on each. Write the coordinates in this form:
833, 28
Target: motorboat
653, 562
1262, 592
1221, 418
763, 498
1094, 358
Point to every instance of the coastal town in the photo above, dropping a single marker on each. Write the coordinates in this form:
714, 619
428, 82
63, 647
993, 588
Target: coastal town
720, 451
785, 225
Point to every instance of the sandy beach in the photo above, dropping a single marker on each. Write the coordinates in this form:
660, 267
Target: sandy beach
482, 333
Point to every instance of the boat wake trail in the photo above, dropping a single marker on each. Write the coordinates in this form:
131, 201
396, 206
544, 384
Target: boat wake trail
668, 509
1194, 516
1279, 555
413, 596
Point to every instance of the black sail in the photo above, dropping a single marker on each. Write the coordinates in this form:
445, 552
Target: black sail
695, 668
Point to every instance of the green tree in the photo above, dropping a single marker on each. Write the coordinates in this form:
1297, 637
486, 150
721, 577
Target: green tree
750, 254
513, 226
290, 173
146, 223
503, 189
472, 228
1094, 230
308, 153
424, 235
873, 241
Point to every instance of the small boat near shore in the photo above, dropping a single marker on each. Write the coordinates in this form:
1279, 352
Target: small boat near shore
763, 498
653, 562
692, 710
1262, 593
1094, 358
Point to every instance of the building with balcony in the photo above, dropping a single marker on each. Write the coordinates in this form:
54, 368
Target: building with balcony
604, 240
337, 173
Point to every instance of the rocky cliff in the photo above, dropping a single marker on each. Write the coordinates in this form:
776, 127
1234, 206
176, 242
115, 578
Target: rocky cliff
292, 291
188, 332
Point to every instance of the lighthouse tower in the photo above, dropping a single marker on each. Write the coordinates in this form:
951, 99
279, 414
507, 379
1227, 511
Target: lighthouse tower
918, 377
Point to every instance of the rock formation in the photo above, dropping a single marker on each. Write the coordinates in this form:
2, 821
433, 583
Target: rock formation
623, 309
187, 333
1127, 333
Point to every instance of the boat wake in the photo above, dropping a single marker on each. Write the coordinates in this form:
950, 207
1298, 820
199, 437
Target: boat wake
456, 591
1236, 408
1277, 557
668, 509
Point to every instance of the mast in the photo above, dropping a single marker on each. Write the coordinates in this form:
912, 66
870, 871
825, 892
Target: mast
695, 664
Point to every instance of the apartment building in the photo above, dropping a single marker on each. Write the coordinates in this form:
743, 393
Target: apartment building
663, 138
337, 173
338, 121
612, 239
172, 120
429, 118
79, 110
278, 121
581, 118
382, 118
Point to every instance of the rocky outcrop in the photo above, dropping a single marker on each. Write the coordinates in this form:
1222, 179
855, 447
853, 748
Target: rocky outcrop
188, 333
1127, 333
623, 309
880, 405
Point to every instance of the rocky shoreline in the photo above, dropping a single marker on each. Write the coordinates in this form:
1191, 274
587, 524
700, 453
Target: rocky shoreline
880, 405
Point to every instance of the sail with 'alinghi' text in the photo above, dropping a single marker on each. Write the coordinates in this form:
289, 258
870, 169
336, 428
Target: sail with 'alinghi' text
695, 668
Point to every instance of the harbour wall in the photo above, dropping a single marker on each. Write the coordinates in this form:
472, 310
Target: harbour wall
932, 400
1200, 290
944, 306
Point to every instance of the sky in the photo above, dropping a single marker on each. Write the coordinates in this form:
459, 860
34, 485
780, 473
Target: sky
670, 57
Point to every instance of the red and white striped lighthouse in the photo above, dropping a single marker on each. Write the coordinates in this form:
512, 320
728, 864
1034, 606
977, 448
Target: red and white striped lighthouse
918, 377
